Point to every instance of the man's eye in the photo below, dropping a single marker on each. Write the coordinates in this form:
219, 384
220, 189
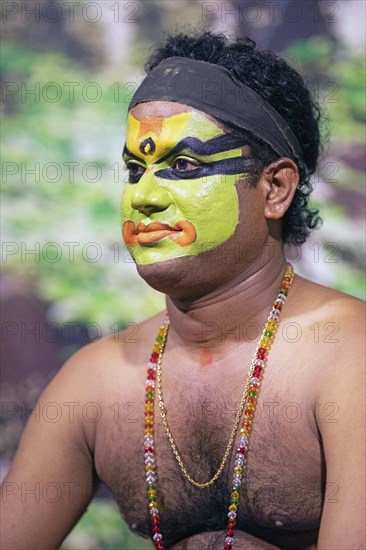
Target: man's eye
184, 165
135, 170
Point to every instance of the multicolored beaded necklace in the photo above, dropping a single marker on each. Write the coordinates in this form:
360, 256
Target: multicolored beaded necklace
247, 407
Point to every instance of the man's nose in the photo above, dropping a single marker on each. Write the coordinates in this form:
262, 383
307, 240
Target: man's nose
148, 196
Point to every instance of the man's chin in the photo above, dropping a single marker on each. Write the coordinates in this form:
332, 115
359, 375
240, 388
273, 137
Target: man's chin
168, 276
183, 277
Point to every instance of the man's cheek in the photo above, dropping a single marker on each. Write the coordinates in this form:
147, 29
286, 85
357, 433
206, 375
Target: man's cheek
125, 206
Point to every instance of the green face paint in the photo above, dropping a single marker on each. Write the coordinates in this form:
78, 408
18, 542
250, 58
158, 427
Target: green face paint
182, 198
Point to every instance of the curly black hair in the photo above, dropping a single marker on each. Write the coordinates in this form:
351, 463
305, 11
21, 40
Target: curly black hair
282, 87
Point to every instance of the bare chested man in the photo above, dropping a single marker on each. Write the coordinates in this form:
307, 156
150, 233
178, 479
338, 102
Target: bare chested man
218, 182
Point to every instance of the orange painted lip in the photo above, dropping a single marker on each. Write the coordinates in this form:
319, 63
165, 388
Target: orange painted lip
182, 233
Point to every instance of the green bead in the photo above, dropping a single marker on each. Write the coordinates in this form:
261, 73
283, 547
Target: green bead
252, 393
268, 333
150, 395
234, 501
160, 339
283, 291
152, 499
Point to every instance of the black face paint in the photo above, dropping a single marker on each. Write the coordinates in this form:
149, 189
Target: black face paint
218, 144
230, 166
148, 146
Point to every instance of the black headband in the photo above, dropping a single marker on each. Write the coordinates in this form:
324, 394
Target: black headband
212, 89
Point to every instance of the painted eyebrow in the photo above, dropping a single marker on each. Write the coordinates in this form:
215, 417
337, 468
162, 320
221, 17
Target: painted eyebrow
218, 144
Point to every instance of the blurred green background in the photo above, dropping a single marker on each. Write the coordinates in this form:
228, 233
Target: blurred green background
67, 76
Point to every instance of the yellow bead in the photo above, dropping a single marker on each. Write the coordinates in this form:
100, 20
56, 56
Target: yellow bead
238, 469
265, 343
149, 467
233, 508
151, 493
153, 504
271, 326
149, 407
148, 431
235, 495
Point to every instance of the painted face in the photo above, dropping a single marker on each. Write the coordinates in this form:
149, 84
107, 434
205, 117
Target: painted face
181, 199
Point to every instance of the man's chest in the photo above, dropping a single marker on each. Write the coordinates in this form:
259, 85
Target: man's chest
281, 493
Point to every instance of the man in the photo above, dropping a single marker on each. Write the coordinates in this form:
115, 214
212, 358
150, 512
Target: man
221, 140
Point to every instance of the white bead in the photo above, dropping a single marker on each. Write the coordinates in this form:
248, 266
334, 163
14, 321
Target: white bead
149, 461
229, 540
231, 515
255, 381
243, 440
157, 536
274, 315
150, 383
240, 457
239, 462
259, 363
151, 365
154, 511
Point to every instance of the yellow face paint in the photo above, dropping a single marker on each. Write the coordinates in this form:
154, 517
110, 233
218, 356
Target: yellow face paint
182, 198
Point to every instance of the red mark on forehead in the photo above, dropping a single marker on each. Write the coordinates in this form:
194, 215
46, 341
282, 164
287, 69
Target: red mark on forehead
153, 125
205, 357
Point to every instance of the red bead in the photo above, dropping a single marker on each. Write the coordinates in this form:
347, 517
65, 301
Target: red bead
257, 370
154, 357
150, 371
230, 532
156, 529
252, 400
261, 353
240, 450
155, 520
149, 450
232, 521
159, 545
278, 306
151, 376
228, 547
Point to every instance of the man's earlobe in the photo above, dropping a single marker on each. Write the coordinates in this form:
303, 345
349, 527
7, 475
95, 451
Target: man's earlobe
279, 180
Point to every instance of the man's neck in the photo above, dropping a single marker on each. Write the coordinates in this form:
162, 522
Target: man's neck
232, 312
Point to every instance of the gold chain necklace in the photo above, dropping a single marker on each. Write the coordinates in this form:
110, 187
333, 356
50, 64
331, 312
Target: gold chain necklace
173, 446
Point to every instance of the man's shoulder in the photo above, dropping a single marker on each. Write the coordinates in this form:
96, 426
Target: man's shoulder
323, 302
335, 328
120, 350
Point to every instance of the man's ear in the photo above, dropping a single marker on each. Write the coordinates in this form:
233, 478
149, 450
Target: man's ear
279, 181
